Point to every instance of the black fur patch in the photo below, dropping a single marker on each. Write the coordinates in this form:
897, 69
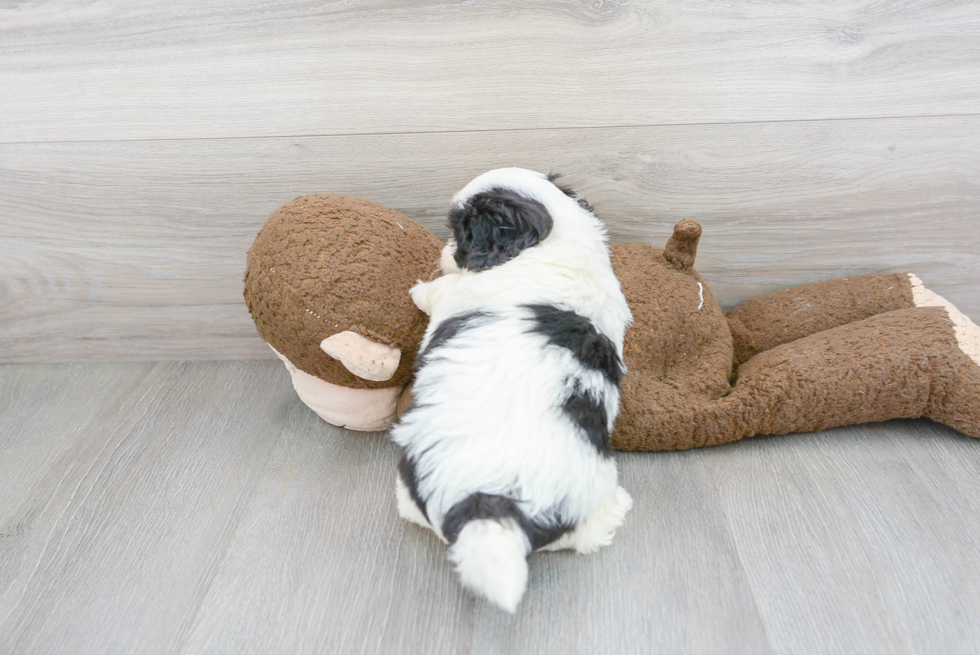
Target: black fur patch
448, 329
576, 333
542, 534
406, 469
568, 191
589, 413
494, 226
488, 506
478, 506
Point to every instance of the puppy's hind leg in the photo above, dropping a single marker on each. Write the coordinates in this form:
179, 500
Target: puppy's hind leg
598, 530
407, 508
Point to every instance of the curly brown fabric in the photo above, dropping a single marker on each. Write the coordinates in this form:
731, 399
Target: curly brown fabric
832, 353
326, 263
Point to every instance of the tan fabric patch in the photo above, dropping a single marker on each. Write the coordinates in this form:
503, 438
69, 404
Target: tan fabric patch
967, 332
364, 358
364, 410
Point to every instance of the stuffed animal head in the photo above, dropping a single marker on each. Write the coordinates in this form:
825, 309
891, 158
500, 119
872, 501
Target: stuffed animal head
327, 283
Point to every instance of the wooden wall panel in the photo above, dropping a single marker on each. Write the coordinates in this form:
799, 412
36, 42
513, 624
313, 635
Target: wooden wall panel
135, 250
130, 69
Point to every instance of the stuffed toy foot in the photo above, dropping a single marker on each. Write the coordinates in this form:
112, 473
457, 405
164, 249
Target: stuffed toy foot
960, 407
906, 363
763, 323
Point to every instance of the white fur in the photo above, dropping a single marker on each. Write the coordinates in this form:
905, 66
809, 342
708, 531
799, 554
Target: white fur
491, 560
598, 530
407, 508
570, 267
489, 417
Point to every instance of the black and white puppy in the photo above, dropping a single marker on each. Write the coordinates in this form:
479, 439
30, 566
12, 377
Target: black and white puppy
506, 443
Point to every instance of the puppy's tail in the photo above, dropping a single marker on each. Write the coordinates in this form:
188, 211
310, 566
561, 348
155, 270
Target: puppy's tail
489, 548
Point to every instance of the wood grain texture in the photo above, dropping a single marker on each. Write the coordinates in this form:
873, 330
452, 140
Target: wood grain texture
328, 566
854, 539
322, 563
670, 582
127, 69
201, 508
114, 519
135, 250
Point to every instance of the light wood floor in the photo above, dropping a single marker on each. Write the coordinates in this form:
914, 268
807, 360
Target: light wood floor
201, 508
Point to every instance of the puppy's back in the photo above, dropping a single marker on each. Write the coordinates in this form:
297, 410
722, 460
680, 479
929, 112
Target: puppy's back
513, 402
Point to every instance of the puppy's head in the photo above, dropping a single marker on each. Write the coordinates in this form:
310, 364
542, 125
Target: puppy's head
502, 213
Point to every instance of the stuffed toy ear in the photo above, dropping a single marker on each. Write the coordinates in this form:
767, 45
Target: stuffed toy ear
364, 358
682, 247
494, 226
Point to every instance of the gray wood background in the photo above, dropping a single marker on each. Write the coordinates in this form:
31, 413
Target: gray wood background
153, 506
142, 144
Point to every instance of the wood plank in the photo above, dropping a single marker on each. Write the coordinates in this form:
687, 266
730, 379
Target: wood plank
127, 69
44, 413
112, 543
323, 564
190, 508
135, 250
671, 582
856, 540
955, 455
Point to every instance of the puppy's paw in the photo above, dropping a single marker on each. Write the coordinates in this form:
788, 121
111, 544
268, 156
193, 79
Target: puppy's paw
600, 528
420, 296
407, 509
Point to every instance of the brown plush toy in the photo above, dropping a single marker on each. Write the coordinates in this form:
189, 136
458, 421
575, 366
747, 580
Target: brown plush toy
328, 279
832, 353
327, 286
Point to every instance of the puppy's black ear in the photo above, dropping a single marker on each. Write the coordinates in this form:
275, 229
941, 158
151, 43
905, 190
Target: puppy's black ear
494, 226
570, 192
